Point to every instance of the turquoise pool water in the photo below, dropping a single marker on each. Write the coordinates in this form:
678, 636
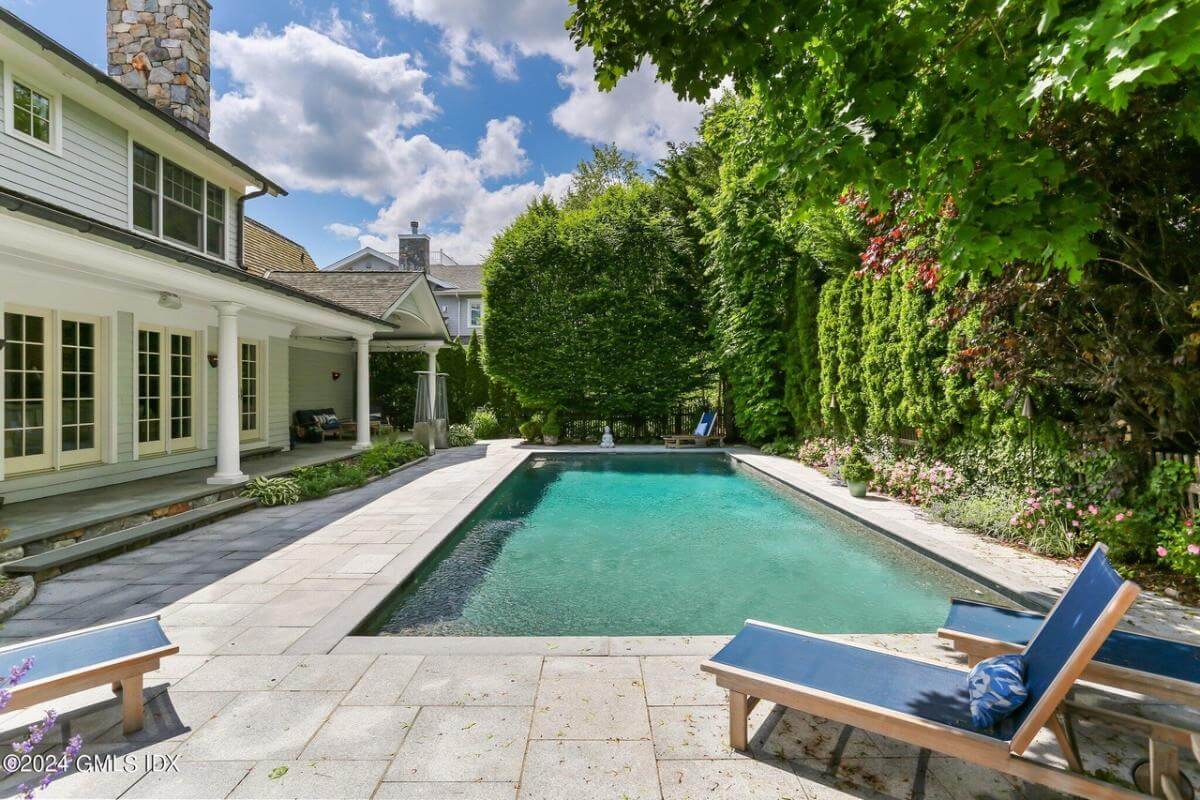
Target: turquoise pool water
629, 545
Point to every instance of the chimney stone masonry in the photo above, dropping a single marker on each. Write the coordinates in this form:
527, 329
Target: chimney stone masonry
414, 250
159, 49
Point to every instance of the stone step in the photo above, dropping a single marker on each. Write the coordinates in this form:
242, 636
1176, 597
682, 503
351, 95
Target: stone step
52, 562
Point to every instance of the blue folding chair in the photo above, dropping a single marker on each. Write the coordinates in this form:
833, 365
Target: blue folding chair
706, 431
926, 703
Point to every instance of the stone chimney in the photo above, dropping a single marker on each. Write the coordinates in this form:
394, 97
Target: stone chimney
414, 250
159, 49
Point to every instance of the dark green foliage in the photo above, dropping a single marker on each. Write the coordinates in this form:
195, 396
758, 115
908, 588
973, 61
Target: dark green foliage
394, 384
478, 385
531, 430
484, 424
595, 309
452, 360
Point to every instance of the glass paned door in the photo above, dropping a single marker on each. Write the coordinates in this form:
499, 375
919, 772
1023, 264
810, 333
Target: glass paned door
249, 390
149, 400
26, 443
78, 398
182, 395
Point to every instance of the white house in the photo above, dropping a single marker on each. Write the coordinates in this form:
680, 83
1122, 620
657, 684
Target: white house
457, 287
137, 339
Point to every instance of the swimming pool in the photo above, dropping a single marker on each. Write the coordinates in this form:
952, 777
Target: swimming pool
673, 544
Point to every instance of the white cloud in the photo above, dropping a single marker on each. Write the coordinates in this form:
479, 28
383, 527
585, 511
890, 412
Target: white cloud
317, 114
343, 231
640, 115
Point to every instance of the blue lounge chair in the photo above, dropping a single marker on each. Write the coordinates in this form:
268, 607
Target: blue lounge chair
706, 431
119, 654
926, 703
1163, 668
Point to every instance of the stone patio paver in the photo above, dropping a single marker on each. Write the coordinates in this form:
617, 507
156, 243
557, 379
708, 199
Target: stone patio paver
466, 718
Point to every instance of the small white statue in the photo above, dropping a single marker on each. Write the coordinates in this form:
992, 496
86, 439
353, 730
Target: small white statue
607, 440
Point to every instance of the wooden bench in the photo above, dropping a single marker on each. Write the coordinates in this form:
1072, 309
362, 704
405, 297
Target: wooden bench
118, 654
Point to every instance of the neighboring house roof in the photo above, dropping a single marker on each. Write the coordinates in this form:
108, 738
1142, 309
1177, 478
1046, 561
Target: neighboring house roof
465, 277
46, 43
39, 209
266, 249
373, 293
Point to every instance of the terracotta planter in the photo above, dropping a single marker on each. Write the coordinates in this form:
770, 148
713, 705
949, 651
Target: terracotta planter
857, 488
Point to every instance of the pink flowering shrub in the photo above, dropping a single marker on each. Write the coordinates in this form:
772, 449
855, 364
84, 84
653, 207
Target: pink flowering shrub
1056, 521
1179, 547
919, 483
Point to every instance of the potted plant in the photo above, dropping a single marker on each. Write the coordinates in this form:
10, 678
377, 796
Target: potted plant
531, 430
551, 429
857, 472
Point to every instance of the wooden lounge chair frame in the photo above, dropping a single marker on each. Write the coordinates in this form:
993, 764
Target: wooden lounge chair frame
1166, 738
747, 688
126, 675
696, 440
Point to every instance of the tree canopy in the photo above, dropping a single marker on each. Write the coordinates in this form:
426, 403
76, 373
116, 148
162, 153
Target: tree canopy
594, 308
991, 116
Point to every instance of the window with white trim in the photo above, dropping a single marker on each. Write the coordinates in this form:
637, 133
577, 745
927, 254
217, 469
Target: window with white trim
474, 313
249, 364
78, 393
54, 378
166, 400
26, 423
31, 113
176, 204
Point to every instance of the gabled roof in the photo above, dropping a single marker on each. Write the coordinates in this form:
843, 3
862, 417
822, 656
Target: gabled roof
373, 293
266, 249
464, 277
51, 46
348, 263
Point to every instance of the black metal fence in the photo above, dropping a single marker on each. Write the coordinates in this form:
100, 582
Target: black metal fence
629, 427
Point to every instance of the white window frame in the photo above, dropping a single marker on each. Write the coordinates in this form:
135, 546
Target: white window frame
45, 460
160, 207
56, 118
165, 444
94, 454
157, 446
182, 442
53, 457
472, 305
260, 354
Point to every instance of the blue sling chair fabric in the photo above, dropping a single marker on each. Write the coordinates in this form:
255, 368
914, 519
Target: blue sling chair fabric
74, 651
1165, 657
916, 688
704, 428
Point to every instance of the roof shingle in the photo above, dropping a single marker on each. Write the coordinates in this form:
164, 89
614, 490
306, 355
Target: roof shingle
371, 293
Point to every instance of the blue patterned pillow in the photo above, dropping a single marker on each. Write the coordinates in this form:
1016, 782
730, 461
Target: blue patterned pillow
997, 689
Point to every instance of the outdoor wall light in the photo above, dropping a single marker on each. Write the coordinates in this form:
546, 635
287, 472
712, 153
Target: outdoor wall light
212, 360
170, 300
336, 374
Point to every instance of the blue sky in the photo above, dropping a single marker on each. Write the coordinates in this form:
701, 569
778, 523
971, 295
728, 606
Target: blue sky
374, 112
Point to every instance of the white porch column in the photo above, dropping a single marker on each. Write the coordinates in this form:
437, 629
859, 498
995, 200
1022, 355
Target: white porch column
229, 429
363, 377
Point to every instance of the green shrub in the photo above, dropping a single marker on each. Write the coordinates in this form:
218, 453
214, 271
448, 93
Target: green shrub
990, 513
461, 436
551, 426
531, 430
781, 447
315, 481
273, 491
484, 424
856, 468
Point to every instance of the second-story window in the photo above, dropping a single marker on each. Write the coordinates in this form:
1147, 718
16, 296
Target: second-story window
177, 204
215, 243
183, 205
145, 189
31, 112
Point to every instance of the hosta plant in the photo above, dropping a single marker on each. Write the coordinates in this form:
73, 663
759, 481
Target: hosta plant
273, 491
